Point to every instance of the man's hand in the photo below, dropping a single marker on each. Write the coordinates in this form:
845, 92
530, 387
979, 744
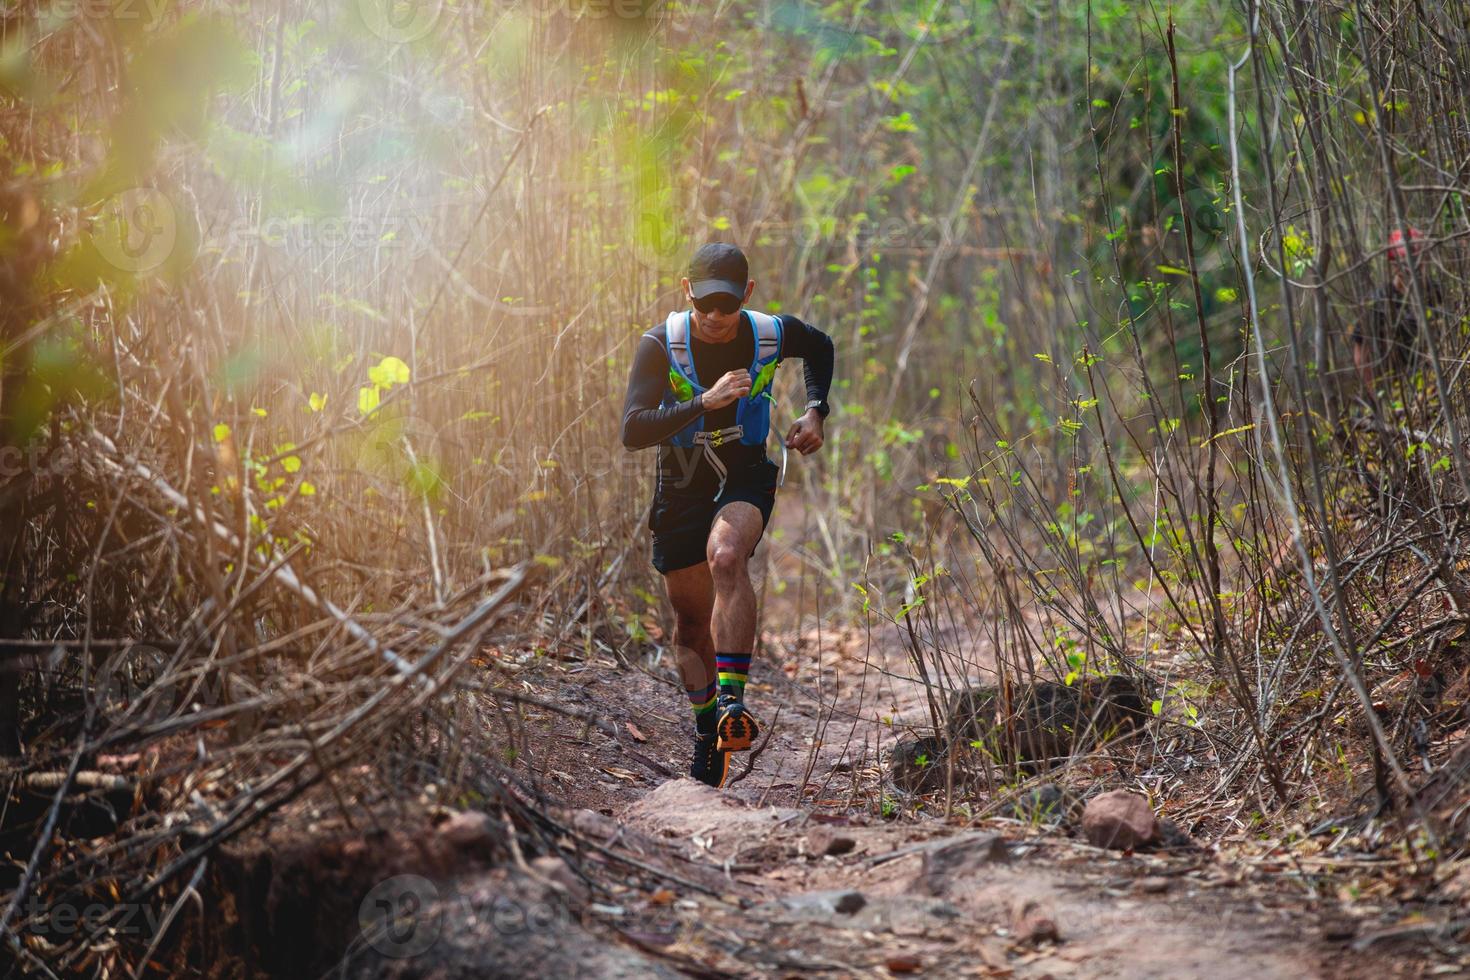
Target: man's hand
733, 385
806, 435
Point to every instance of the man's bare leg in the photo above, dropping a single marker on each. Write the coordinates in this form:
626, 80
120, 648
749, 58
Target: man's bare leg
692, 594
737, 529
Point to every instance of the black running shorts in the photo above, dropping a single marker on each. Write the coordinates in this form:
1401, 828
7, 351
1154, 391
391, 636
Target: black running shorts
680, 519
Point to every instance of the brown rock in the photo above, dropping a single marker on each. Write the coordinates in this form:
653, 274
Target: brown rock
1032, 922
1120, 820
970, 715
594, 824
1045, 804
1172, 836
823, 841
918, 763
1054, 721
468, 828
968, 857
822, 905
904, 963
1043, 724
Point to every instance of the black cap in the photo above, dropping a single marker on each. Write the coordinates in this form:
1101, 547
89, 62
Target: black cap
718, 268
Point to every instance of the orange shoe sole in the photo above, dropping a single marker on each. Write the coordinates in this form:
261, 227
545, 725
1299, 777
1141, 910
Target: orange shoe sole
738, 731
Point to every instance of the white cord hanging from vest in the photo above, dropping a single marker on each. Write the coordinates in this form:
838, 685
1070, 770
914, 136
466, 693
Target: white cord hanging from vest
712, 441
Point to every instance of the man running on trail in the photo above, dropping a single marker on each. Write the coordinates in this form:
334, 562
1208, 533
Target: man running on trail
700, 389
1386, 337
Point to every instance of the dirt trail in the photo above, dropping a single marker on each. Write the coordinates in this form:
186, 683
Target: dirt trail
765, 880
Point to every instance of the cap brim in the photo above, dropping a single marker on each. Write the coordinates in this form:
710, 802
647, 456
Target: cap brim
708, 287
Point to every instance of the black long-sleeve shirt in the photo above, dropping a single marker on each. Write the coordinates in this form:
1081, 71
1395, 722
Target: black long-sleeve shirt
646, 422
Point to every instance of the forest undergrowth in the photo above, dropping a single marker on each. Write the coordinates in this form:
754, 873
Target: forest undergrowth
314, 323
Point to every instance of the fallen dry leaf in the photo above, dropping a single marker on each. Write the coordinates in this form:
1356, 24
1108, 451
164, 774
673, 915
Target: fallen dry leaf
904, 963
638, 736
622, 774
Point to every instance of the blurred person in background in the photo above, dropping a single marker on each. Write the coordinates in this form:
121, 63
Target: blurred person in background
1385, 338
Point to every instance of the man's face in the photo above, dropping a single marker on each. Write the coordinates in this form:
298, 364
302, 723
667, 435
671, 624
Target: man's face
717, 311
714, 317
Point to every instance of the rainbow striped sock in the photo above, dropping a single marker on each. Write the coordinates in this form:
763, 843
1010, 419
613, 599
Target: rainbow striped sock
703, 703
733, 669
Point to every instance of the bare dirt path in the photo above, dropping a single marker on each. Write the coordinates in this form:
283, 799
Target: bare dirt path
799, 868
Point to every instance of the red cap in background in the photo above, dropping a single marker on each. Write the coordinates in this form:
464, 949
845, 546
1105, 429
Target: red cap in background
1397, 251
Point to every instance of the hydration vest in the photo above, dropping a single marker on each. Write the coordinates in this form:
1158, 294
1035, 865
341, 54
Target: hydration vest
752, 413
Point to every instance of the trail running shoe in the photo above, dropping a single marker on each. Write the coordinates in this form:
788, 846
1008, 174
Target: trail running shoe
711, 765
735, 724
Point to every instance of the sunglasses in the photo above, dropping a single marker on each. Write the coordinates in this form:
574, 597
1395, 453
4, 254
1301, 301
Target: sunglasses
718, 303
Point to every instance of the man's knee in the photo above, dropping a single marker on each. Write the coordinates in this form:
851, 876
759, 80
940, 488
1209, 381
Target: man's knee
727, 560
690, 631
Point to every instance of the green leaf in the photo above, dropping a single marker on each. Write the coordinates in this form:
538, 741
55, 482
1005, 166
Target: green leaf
368, 399
901, 123
388, 372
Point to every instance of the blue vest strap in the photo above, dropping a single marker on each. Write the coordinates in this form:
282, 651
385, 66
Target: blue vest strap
680, 356
767, 336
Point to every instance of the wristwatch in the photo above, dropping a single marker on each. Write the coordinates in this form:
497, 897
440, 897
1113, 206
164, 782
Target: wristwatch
820, 405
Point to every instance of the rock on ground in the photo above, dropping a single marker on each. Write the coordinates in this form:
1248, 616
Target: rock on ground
1120, 820
950, 864
919, 763
1046, 804
494, 926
